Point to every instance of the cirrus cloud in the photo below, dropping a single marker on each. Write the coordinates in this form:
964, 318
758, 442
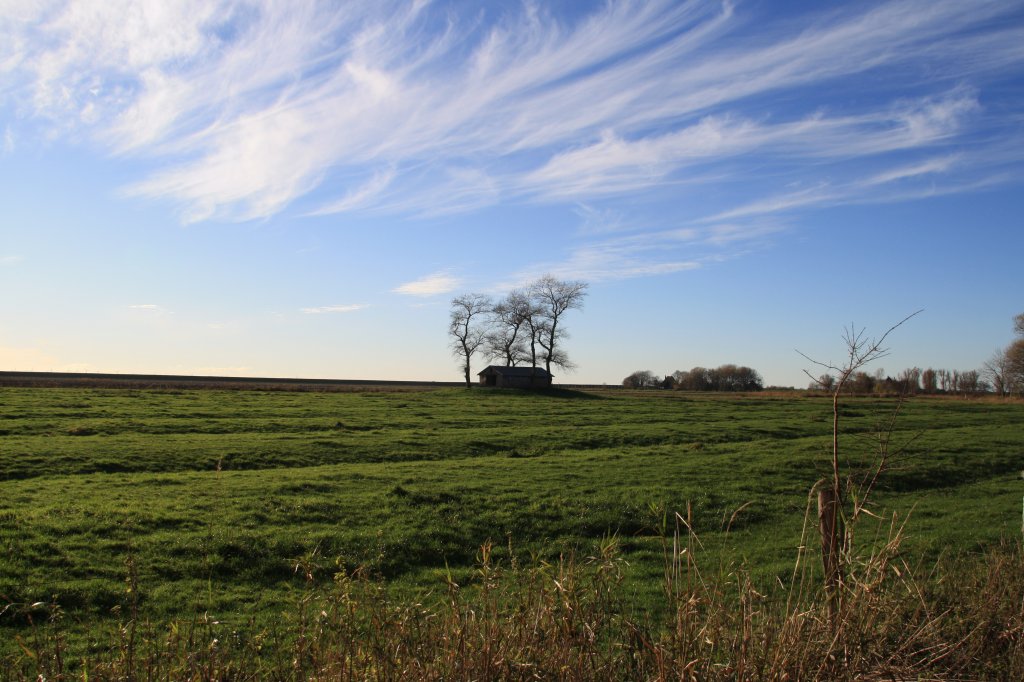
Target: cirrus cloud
426, 109
430, 285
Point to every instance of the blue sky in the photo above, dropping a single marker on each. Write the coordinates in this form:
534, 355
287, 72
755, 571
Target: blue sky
287, 188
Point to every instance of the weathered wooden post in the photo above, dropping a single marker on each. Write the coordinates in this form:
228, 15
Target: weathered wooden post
830, 524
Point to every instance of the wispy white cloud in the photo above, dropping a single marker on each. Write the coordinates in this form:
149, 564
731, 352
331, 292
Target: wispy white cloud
351, 308
605, 262
361, 196
596, 221
928, 178
145, 306
616, 165
807, 196
650, 253
415, 108
11, 260
727, 234
928, 167
445, 191
937, 188
431, 285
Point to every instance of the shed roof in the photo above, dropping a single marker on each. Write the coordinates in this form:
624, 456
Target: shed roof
516, 371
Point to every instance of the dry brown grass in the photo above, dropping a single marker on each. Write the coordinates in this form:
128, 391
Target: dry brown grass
571, 620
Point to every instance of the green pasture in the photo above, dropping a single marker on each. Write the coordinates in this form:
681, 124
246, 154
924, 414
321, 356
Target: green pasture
213, 497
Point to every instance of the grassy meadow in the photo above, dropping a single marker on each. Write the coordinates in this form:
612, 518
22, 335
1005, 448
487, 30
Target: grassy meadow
211, 499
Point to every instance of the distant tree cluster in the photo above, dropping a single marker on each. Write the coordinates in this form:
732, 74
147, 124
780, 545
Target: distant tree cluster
910, 381
723, 378
526, 327
643, 378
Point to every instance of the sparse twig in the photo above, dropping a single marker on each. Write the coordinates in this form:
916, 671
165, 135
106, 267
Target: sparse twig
860, 351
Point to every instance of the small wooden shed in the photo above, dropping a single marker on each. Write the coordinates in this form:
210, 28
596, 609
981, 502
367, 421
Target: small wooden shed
500, 376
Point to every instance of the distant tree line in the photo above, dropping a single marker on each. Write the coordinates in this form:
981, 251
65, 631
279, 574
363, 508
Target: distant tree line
723, 378
910, 381
1002, 374
526, 327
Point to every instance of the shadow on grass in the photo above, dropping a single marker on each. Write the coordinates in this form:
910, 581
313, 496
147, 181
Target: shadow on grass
564, 393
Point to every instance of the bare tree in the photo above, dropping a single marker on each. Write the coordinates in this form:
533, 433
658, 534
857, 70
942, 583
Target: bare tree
945, 378
1015, 358
996, 371
835, 542
1015, 367
510, 330
554, 298
928, 381
1005, 369
860, 351
910, 380
466, 330
535, 329
970, 382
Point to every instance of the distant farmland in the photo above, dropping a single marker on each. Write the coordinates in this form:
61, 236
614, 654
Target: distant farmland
171, 381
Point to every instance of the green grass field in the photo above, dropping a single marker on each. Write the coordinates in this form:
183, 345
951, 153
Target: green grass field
216, 495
